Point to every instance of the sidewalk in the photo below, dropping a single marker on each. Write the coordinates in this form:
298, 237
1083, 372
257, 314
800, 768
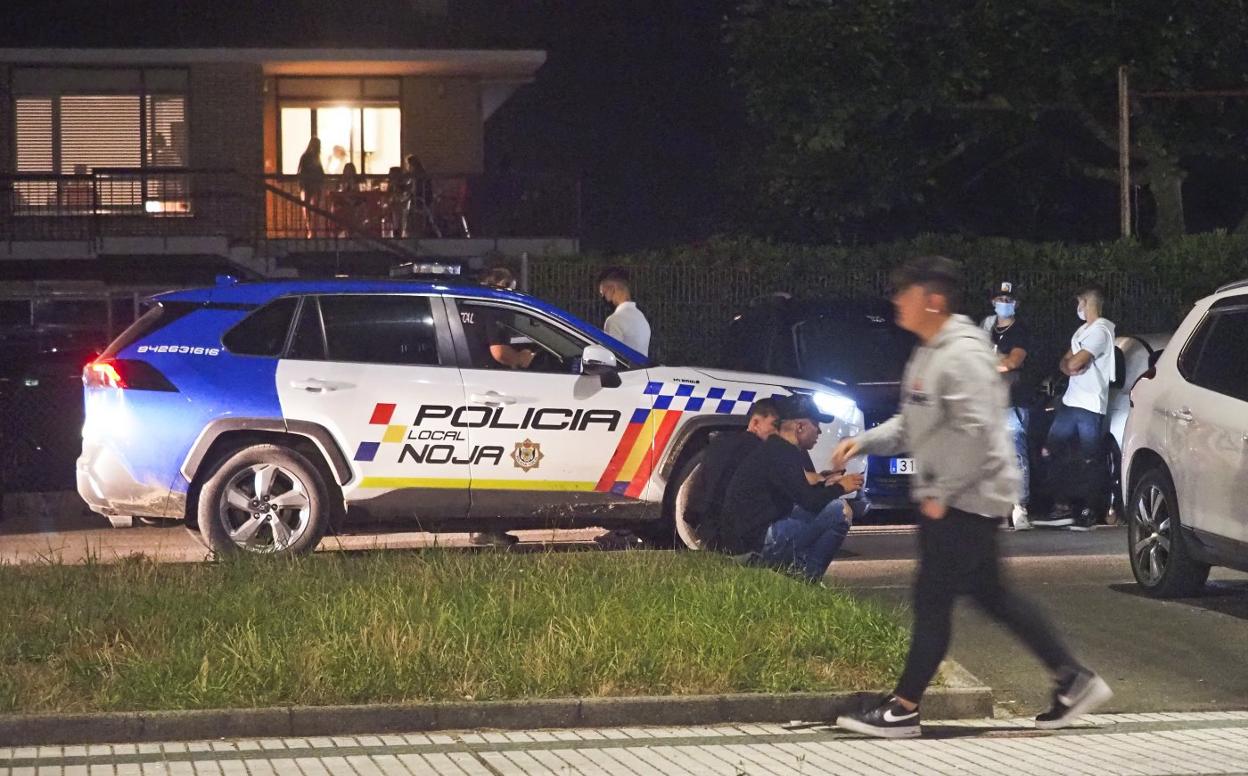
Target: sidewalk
1129, 744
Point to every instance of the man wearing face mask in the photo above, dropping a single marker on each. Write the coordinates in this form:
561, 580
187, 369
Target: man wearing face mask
626, 323
1077, 435
1011, 341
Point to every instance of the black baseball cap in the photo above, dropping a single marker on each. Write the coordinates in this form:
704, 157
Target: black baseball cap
799, 406
1004, 288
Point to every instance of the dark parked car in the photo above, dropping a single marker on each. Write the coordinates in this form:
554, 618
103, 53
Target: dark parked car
852, 345
41, 407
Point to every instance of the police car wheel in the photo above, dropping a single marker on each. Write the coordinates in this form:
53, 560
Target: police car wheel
263, 499
680, 503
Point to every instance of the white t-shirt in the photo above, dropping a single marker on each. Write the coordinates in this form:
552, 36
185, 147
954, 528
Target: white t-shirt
629, 326
1090, 390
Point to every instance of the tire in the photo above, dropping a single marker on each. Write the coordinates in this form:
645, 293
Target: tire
1159, 556
664, 534
263, 499
682, 487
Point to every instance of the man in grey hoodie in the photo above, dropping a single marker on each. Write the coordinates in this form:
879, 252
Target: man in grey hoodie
952, 402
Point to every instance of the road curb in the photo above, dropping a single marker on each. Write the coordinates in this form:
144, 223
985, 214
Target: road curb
960, 700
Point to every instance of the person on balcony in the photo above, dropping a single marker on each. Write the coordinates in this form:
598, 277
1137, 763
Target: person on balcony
347, 203
417, 195
311, 182
337, 161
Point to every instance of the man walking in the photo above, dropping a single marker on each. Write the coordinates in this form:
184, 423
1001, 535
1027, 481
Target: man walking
1074, 449
1010, 339
626, 323
777, 507
722, 458
952, 401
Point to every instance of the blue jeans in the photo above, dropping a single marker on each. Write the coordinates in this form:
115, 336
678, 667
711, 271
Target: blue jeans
1073, 451
1016, 423
807, 541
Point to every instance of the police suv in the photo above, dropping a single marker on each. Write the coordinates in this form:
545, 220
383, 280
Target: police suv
263, 415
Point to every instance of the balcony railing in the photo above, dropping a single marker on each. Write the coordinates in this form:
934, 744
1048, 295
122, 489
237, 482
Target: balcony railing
123, 203
176, 202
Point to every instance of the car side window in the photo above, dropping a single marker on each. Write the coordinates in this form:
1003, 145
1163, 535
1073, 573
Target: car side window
487, 326
1222, 367
309, 341
369, 329
263, 333
1189, 356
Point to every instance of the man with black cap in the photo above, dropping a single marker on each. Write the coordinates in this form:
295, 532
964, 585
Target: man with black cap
1011, 341
775, 506
952, 400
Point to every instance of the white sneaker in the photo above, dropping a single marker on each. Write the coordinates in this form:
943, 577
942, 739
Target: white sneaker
1019, 518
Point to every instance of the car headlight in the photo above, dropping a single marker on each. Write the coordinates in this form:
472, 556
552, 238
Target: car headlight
841, 407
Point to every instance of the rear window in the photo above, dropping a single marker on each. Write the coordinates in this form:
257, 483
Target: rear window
158, 317
263, 333
854, 352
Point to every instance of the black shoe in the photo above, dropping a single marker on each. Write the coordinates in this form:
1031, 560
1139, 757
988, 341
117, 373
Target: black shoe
1084, 522
1074, 697
886, 719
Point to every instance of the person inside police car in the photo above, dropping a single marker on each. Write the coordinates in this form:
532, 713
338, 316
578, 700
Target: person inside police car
488, 340
626, 323
952, 403
721, 459
777, 507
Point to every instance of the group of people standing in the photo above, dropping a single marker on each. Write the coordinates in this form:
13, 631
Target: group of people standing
1072, 455
408, 208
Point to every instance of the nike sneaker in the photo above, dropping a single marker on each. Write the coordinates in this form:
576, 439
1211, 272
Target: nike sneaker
887, 719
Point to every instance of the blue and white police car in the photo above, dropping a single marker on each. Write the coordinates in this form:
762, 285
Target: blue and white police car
264, 415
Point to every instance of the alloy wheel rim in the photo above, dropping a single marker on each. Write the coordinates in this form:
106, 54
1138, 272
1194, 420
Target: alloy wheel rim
1151, 535
265, 508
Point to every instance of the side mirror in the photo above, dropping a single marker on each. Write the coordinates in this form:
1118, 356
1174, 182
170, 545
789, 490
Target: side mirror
597, 360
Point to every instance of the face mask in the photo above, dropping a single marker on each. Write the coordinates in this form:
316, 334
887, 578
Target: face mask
1004, 309
1082, 315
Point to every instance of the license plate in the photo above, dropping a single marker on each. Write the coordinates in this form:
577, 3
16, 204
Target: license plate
901, 466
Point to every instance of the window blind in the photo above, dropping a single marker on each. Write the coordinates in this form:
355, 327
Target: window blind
34, 134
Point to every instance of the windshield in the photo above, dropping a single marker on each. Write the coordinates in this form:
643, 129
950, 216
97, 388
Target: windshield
853, 352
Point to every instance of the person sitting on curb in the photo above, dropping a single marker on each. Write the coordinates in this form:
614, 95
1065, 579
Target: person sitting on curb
774, 508
721, 460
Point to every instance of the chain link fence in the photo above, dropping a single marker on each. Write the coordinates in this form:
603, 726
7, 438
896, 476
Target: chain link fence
690, 307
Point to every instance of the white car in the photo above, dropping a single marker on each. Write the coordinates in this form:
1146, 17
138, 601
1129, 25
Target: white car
1185, 451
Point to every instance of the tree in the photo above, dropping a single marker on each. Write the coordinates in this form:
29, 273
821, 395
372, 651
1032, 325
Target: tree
878, 106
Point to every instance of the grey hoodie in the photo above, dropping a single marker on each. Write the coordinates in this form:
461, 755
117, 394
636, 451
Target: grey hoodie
952, 421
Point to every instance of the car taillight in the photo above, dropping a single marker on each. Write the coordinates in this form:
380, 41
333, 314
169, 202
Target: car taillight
125, 373
1149, 374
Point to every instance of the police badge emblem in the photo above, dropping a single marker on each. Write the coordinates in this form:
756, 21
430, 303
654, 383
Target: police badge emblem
527, 455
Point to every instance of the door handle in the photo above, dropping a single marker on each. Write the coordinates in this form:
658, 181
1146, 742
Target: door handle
316, 385
491, 399
1183, 415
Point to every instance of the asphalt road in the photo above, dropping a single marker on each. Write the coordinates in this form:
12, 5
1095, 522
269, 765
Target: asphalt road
1188, 655
1184, 655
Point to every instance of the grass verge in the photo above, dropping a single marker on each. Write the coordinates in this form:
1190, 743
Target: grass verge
434, 625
